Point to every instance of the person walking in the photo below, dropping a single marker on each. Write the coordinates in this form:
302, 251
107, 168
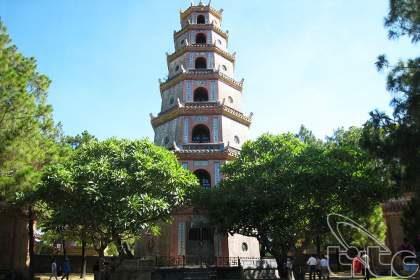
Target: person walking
366, 266
289, 268
325, 270
312, 267
66, 269
53, 269
318, 267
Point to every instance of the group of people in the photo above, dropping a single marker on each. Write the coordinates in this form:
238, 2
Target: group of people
360, 264
318, 267
57, 271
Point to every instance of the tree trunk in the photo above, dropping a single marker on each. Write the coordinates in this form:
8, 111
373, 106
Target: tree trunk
31, 221
318, 245
64, 248
101, 252
83, 264
337, 256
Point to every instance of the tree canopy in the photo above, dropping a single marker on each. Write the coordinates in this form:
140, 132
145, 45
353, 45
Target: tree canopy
282, 187
114, 190
396, 139
403, 19
27, 131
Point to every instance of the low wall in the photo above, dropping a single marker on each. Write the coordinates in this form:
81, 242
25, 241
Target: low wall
199, 273
144, 274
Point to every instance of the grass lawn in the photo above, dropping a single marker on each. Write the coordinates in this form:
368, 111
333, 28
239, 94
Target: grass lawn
73, 276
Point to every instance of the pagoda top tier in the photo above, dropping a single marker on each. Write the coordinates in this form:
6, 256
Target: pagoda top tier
190, 15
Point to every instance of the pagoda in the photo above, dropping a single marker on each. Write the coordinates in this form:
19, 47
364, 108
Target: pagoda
202, 123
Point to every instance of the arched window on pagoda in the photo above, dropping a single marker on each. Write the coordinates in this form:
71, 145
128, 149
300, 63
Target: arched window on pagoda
200, 63
201, 95
201, 38
200, 134
203, 178
201, 19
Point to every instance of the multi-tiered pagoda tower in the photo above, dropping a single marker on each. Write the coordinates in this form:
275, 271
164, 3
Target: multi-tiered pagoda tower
202, 122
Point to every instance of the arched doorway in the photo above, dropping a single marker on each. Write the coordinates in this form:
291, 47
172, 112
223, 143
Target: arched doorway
201, 95
204, 178
200, 63
200, 134
200, 38
201, 19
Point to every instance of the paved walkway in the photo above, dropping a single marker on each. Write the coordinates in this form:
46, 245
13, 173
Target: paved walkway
72, 277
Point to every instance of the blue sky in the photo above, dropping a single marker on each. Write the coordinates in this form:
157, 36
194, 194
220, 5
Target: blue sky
304, 61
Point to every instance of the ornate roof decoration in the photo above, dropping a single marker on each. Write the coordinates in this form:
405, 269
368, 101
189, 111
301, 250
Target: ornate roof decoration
213, 27
206, 74
227, 153
201, 8
205, 108
200, 48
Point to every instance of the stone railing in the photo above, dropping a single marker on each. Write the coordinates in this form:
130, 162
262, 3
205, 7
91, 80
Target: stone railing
204, 146
199, 104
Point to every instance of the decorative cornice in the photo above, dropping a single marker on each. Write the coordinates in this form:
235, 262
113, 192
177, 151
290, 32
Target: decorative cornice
191, 26
208, 74
200, 48
197, 108
201, 9
228, 153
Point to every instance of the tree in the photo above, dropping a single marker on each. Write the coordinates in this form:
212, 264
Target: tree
283, 187
115, 190
403, 19
374, 224
28, 135
338, 176
396, 139
259, 187
25, 117
51, 225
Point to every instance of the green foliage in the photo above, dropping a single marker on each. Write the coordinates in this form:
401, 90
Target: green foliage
374, 224
282, 187
403, 19
76, 141
345, 179
306, 136
113, 190
259, 187
396, 139
27, 133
